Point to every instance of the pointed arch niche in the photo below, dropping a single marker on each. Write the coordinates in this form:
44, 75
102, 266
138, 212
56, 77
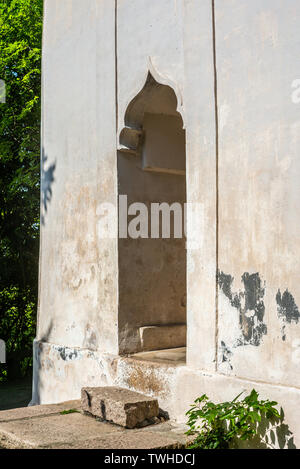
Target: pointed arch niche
152, 271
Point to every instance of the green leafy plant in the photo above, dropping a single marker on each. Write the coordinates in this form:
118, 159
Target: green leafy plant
70, 411
215, 426
17, 326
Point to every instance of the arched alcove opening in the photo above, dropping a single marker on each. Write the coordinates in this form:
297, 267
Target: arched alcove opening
152, 266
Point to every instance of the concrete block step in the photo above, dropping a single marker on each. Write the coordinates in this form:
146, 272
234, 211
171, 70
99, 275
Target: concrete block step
120, 406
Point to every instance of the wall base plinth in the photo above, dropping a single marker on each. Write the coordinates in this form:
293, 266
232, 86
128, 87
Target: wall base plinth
60, 373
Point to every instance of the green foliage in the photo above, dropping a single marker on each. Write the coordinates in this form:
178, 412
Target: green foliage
217, 425
17, 326
71, 411
20, 68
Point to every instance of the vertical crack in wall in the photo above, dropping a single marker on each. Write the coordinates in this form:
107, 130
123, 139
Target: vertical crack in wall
217, 176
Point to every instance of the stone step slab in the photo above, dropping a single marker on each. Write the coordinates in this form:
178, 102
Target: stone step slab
162, 337
121, 406
52, 427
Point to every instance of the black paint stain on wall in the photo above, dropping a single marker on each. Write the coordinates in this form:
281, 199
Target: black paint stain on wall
253, 326
226, 354
225, 282
66, 354
287, 309
250, 305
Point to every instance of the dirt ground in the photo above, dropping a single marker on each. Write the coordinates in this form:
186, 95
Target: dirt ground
15, 394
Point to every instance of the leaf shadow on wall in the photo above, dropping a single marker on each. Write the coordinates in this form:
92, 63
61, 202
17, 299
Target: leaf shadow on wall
47, 180
38, 365
271, 433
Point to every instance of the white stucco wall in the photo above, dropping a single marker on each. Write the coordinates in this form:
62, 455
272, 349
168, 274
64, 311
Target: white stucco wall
78, 296
242, 167
259, 194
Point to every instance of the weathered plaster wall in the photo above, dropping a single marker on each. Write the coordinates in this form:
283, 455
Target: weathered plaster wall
199, 111
258, 47
78, 286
